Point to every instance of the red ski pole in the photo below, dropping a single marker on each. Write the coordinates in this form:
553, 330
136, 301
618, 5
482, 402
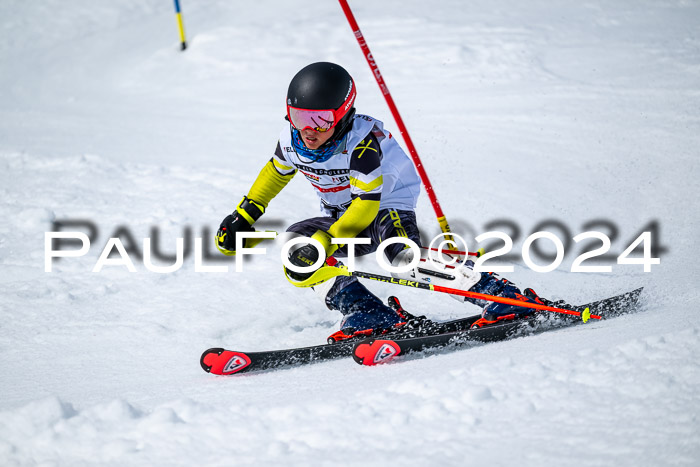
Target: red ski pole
399, 121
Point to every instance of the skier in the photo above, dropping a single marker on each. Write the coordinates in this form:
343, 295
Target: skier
367, 188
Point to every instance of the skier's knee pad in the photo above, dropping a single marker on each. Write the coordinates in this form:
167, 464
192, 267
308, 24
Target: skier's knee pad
460, 276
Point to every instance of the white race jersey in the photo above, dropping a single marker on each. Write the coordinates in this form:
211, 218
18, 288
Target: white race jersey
368, 163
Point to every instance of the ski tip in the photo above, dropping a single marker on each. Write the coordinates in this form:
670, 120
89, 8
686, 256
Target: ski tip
373, 352
219, 361
206, 358
586, 314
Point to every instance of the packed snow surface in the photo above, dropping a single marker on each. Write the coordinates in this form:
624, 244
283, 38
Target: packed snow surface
583, 114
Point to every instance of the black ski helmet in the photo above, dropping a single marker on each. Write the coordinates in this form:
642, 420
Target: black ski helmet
324, 86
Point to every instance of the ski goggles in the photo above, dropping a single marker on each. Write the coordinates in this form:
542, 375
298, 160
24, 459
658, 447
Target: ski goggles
319, 120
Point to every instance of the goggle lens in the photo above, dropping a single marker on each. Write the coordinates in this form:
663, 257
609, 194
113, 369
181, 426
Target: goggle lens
319, 120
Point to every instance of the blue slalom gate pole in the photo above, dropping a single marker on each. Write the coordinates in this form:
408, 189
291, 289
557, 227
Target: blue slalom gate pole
178, 15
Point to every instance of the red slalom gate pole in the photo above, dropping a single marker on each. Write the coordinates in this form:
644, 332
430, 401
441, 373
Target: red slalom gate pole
444, 226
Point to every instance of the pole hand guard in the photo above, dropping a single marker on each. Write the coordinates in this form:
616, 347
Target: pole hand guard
321, 275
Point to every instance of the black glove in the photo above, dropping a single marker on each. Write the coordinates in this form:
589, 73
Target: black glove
226, 235
307, 255
240, 220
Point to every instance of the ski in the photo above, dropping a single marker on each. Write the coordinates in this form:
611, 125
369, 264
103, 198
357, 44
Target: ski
220, 361
382, 349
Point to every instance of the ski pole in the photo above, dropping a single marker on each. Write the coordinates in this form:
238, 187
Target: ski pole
444, 226
327, 272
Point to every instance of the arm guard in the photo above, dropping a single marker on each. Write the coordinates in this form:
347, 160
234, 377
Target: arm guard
269, 183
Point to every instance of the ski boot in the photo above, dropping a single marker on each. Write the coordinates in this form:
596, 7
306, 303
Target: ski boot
543, 301
410, 326
495, 312
414, 325
365, 314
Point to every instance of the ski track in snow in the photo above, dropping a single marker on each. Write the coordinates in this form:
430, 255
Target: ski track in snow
571, 112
